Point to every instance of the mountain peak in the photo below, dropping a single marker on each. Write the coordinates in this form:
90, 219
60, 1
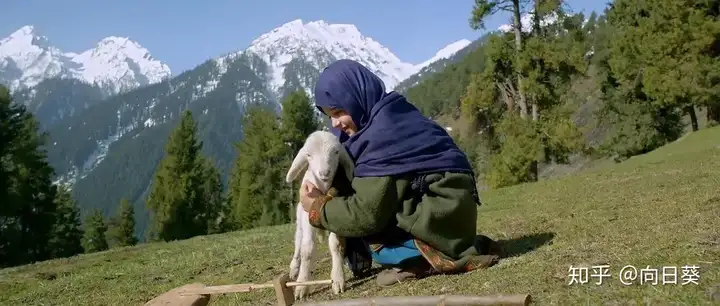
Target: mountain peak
121, 45
116, 42
23, 37
115, 39
320, 43
27, 30
120, 64
313, 30
293, 24
115, 63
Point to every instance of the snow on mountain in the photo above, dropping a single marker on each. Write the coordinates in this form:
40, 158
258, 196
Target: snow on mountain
119, 64
320, 43
446, 52
115, 63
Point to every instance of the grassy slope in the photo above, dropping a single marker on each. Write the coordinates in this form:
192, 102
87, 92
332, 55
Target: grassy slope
659, 209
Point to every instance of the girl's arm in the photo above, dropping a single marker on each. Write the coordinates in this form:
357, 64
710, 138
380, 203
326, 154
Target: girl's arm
366, 211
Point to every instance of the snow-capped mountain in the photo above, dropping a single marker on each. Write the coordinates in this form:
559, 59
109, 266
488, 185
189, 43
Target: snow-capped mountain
444, 53
116, 64
319, 43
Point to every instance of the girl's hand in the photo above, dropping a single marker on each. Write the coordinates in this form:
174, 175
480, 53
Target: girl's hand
308, 193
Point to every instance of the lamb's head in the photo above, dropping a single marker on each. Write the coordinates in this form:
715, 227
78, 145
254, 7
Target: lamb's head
321, 154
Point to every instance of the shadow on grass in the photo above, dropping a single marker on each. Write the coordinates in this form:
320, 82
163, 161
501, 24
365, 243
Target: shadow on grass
367, 276
351, 283
525, 244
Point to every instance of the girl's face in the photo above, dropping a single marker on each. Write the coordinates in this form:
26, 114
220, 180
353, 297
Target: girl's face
341, 120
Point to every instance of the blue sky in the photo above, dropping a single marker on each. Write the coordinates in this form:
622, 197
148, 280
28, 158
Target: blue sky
184, 33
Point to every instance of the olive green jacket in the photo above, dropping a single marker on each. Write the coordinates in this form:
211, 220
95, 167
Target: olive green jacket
443, 222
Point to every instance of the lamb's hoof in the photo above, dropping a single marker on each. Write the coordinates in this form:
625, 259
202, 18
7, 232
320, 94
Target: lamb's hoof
338, 287
301, 292
338, 280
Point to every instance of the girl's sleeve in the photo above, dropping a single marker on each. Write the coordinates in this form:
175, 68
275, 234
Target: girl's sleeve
363, 212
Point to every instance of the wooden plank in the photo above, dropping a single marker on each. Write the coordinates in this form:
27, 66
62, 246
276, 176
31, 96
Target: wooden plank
174, 298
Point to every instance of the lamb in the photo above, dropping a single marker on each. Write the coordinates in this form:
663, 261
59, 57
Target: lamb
319, 157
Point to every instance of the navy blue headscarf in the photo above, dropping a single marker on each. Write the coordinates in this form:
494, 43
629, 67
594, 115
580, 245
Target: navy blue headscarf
393, 137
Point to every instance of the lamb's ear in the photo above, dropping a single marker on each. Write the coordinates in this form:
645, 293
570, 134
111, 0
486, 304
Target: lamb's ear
347, 163
298, 165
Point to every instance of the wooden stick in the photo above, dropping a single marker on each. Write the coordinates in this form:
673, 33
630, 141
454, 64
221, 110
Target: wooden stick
448, 300
247, 287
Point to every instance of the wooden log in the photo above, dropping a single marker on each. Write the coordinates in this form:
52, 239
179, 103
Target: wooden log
174, 298
448, 300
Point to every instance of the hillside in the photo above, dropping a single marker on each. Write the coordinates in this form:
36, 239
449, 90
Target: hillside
55, 99
658, 209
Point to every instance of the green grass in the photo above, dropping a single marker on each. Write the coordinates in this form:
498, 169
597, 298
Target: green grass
659, 209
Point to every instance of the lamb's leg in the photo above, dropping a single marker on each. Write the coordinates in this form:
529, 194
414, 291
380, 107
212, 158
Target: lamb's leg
336, 245
307, 252
295, 262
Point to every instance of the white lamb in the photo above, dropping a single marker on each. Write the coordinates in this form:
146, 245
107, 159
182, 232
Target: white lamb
319, 157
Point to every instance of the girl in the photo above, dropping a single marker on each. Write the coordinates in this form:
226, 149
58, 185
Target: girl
413, 202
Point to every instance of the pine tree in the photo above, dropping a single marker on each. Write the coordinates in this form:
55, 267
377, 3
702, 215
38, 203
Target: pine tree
256, 177
591, 23
121, 230
94, 239
67, 231
298, 121
215, 212
513, 81
27, 212
176, 200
